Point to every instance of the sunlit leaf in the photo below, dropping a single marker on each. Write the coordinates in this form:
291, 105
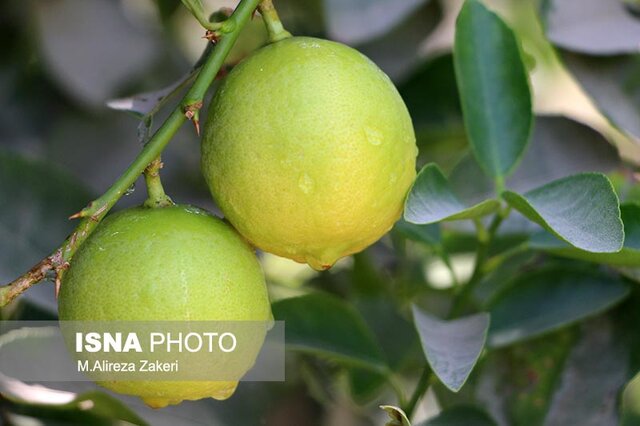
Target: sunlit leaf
629, 256
582, 210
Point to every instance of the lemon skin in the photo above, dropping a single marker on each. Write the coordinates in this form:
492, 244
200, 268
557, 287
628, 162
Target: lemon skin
172, 263
309, 150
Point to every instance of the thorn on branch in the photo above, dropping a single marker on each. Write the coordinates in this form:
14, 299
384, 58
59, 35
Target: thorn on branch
192, 112
83, 213
212, 36
59, 272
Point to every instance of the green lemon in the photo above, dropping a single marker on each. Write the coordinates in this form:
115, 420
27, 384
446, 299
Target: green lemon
171, 263
309, 150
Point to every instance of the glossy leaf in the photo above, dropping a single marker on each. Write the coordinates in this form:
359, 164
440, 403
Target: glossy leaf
397, 416
325, 325
629, 256
549, 299
461, 416
431, 200
494, 90
452, 348
582, 210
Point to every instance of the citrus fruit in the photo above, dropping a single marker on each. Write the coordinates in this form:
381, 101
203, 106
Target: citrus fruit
309, 150
174, 263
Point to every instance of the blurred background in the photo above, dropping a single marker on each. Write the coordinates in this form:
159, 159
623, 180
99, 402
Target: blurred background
61, 145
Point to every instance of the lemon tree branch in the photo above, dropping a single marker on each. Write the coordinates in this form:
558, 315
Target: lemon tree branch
91, 216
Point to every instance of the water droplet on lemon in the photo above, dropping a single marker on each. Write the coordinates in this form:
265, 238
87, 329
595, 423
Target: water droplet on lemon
305, 183
374, 137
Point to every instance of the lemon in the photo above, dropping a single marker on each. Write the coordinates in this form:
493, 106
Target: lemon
309, 150
171, 263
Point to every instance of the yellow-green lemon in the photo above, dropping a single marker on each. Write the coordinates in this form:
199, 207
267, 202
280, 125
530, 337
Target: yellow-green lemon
173, 263
309, 150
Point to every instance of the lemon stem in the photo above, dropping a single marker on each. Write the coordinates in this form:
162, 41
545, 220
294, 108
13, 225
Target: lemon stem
272, 21
58, 261
156, 195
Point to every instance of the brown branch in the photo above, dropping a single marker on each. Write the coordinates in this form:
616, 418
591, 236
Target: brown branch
20, 284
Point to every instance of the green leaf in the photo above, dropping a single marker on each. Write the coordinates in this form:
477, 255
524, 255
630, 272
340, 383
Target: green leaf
629, 255
325, 325
549, 299
630, 415
38, 199
397, 416
582, 210
461, 416
494, 89
431, 200
452, 348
